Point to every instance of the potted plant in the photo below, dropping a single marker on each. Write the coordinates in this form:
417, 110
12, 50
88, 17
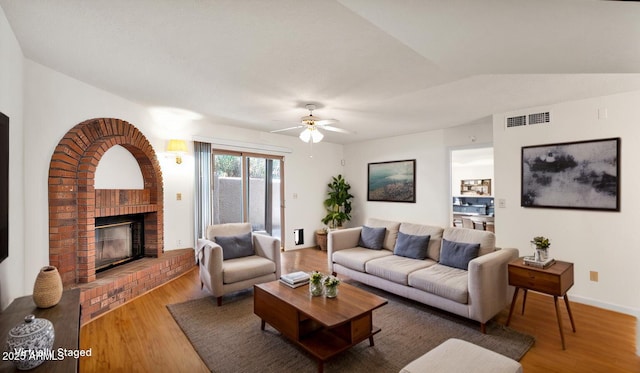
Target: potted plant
315, 283
331, 286
542, 247
338, 203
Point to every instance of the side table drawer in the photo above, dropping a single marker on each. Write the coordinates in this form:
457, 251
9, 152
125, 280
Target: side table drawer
534, 280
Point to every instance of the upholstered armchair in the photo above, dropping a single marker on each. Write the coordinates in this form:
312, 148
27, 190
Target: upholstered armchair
233, 258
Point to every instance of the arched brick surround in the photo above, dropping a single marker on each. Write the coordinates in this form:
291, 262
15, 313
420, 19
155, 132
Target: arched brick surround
72, 196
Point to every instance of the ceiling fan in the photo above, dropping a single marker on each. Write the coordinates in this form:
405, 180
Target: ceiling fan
311, 125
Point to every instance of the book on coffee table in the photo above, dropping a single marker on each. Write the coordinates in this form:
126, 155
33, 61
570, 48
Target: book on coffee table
295, 278
296, 285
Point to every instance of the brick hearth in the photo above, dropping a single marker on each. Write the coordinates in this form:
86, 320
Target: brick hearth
119, 285
74, 204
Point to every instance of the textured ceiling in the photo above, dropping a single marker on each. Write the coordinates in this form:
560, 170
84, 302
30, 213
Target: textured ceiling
381, 68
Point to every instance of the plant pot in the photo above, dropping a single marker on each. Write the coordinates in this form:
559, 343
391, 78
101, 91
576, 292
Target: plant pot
331, 291
542, 254
47, 290
315, 289
321, 240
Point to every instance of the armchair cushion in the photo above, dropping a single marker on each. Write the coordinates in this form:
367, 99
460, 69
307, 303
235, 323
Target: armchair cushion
227, 229
235, 246
240, 269
372, 238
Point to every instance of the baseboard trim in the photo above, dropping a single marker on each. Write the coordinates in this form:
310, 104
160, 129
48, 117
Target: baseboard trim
613, 307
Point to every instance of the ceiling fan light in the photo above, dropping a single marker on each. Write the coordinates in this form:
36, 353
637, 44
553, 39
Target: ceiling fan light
316, 136
305, 135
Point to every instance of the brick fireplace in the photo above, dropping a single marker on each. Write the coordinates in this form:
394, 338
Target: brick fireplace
74, 205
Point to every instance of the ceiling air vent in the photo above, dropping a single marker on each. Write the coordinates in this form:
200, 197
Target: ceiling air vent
539, 118
517, 121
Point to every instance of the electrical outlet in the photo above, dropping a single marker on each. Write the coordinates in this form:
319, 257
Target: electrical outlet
178, 243
593, 276
178, 196
502, 203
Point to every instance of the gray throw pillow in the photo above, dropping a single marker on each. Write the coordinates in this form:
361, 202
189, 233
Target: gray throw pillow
235, 246
372, 238
458, 254
411, 246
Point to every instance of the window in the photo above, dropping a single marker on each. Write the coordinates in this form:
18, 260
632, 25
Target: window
247, 187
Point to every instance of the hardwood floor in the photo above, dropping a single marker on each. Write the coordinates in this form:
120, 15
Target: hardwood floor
141, 336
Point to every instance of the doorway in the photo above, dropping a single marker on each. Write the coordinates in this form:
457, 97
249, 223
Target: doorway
472, 188
248, 187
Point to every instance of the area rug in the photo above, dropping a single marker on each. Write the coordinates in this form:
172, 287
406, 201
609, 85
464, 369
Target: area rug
229, 339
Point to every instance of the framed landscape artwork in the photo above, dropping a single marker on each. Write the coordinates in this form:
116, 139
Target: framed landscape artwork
393, 181
573, 175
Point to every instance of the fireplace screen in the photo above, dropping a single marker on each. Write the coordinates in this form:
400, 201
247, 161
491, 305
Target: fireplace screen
115, 244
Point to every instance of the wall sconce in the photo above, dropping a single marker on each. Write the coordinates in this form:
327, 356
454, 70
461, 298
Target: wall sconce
177, 147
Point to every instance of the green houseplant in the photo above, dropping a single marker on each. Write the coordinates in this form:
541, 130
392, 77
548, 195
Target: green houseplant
315, 283
331, 286
338, 203
542, 247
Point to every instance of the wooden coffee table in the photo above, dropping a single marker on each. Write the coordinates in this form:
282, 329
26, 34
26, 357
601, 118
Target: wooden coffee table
322, 326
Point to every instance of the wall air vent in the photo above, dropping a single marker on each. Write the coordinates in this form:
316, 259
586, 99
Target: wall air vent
517, 121
528, 119
539, 118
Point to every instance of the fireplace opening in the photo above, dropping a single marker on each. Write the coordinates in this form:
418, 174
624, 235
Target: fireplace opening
118, 240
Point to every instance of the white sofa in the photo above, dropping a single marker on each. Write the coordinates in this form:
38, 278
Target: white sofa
478, 293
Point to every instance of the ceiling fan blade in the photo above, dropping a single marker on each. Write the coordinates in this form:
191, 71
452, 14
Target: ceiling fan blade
287, 129
323, 122
334, 129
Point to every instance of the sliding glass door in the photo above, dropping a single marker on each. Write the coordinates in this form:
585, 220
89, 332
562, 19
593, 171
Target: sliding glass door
247, 187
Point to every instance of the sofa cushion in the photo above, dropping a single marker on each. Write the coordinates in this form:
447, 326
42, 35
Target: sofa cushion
245, 268
458, 254
372, 238
396, 268
447, 282
486, 239
357, 257
236, 246
412, 246
392, 231
434, 232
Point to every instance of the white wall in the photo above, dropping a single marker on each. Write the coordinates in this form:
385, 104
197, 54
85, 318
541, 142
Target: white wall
606, 242
118, 169
54, 103
431, 150
465, 167
12, 277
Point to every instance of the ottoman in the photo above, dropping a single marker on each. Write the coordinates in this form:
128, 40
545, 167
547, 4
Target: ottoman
456, 355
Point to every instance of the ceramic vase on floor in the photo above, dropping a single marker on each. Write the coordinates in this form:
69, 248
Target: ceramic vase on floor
47, 290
